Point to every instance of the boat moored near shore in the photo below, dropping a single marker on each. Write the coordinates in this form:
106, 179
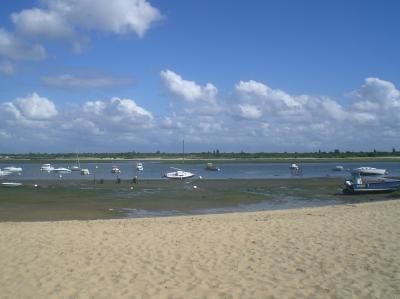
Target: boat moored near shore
369, 171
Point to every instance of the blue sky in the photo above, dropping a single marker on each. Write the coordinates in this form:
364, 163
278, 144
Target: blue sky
136, 75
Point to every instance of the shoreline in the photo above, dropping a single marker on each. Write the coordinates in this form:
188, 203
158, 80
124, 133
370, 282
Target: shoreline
334, 251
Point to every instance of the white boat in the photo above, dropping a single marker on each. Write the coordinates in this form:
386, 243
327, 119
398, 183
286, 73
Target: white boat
368, 171
62, 170
4, 173
10, 184
294, 166
85, 171
179, 174
47, 167
76, 167
115, 169
338, 168
139, 166
212, 167
13, 169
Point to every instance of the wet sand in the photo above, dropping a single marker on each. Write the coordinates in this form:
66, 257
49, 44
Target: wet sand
344, 251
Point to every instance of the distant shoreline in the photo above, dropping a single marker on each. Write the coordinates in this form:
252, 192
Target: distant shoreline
205, 160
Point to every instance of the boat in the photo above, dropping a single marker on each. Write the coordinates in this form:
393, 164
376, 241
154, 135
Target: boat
76, 167
10, 184
369, 171
13, 169
115, 170
359, 186
4, 173
85, 171
212, 167
46, 167
139, 166
338, 168
179, 173
295, 169
61, 170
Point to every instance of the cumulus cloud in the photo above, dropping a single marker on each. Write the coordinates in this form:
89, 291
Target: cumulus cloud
32, 107
38, 23
260, 118
13, 47
64, 18
72, 81
35, 107
188, 90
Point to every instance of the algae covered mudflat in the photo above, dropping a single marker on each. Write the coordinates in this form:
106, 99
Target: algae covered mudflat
62, 200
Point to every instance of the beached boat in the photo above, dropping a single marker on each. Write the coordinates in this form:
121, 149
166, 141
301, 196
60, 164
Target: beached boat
369, 171
359, 186
139, 166
212, 167
115, 170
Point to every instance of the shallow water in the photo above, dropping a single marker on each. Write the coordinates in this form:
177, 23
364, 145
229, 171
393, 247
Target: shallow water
154, 170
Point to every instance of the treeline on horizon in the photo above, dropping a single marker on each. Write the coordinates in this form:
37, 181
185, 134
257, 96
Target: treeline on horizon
216, 154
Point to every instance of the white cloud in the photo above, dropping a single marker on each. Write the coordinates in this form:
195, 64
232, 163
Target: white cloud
15, 48
34, 107
188, 90
260, 119
71, 81
248, 111
59, 19
38, 23
95, 107
129, 108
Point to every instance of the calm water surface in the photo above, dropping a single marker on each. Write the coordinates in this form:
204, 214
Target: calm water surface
155, 170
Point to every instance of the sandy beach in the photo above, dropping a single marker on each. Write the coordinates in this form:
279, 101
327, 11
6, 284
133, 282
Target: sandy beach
345, 251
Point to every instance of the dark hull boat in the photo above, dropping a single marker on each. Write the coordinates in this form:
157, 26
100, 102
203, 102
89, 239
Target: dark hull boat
358, 186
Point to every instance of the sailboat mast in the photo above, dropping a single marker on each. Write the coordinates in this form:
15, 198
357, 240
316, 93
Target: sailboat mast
183, 151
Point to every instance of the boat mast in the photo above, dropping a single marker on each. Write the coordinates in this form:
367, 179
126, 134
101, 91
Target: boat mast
183, 151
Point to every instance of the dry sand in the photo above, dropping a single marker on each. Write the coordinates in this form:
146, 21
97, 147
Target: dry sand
348, 251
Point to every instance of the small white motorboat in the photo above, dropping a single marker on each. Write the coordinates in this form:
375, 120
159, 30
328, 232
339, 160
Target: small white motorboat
10, 184
369, 171
85, 171
115, 170
13, 169
61, 170
139, 166
47, 167
4, 173
338, 168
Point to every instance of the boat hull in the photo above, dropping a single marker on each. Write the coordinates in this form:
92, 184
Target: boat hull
378, 187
